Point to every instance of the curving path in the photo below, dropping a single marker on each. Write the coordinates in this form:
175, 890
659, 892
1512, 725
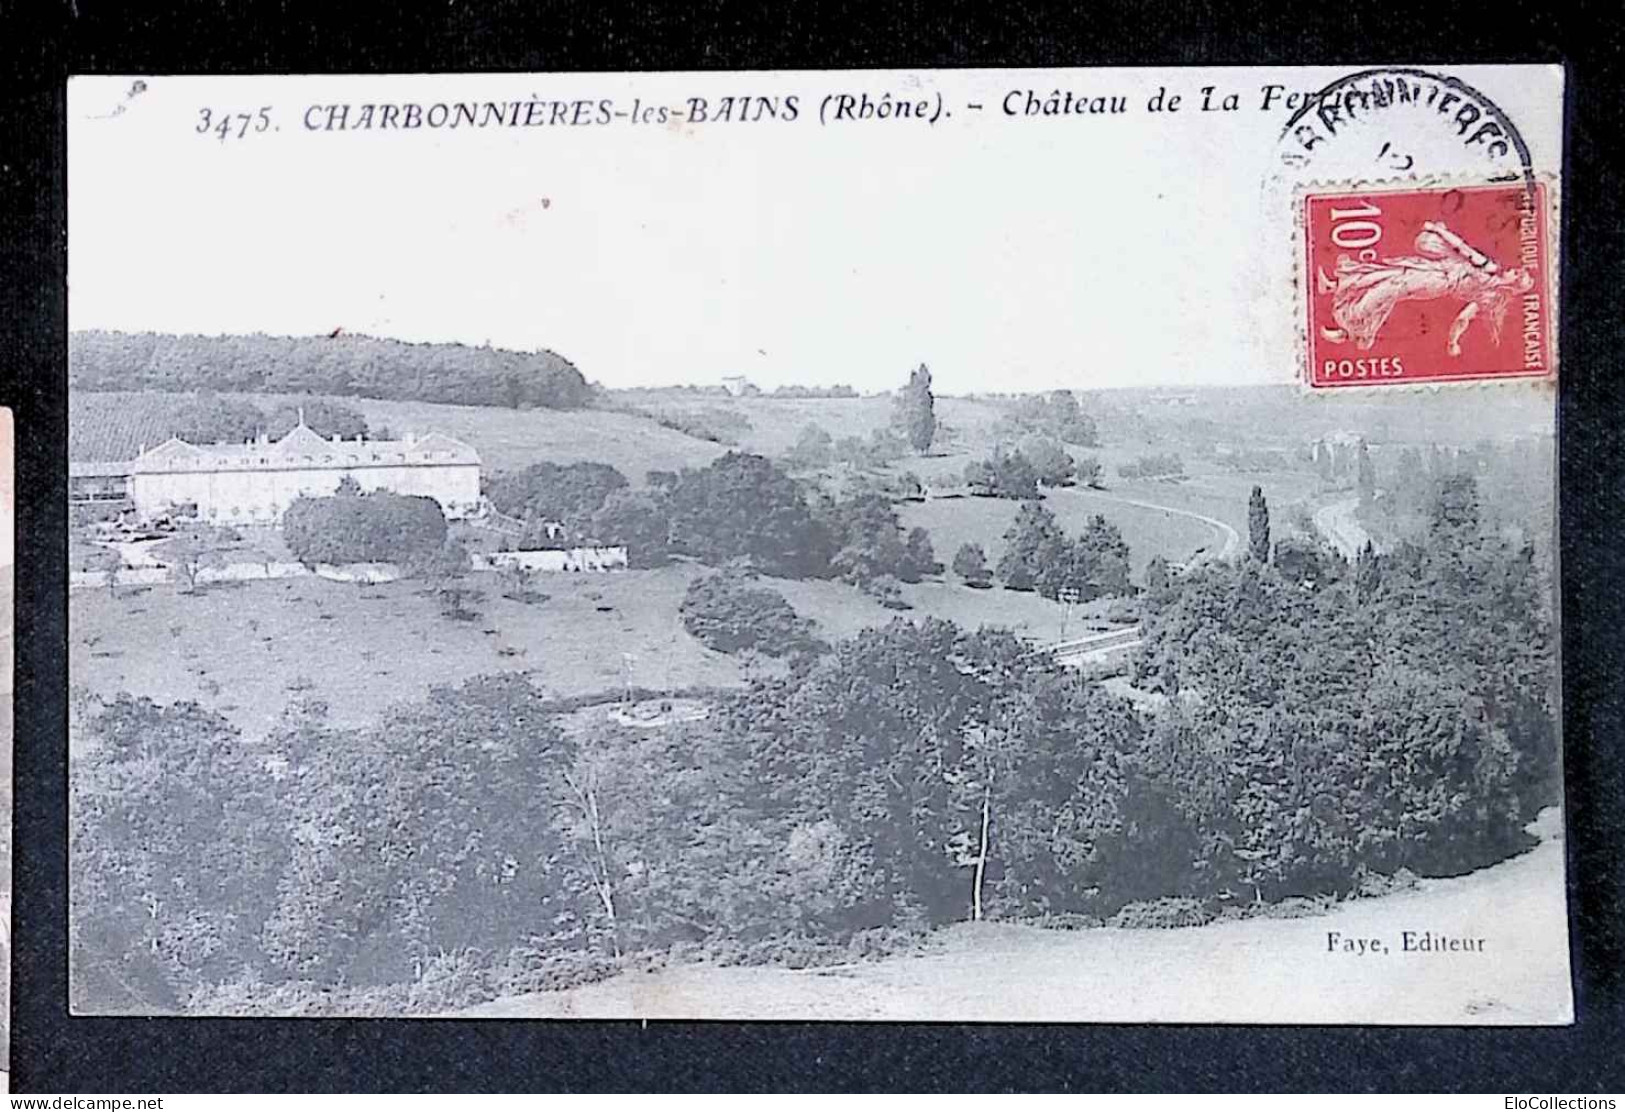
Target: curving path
1232, 540
1337, 522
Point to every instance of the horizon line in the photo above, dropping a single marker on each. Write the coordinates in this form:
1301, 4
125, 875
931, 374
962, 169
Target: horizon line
487, 345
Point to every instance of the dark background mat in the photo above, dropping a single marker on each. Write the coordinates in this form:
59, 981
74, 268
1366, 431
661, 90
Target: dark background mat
53, 1052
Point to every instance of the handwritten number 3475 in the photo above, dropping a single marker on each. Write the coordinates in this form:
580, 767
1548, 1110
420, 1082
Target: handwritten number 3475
233, 125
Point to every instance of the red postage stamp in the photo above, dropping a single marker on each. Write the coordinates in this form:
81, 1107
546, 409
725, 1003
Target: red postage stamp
1429, 284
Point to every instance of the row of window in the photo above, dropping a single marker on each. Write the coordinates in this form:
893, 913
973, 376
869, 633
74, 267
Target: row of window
376, 457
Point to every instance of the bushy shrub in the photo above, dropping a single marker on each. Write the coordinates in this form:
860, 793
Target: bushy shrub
1162, 914
347, 529
724, 612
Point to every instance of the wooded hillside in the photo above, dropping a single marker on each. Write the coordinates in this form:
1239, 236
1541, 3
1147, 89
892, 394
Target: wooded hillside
359, 366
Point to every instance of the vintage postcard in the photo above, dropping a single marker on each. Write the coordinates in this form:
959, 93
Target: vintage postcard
976, 545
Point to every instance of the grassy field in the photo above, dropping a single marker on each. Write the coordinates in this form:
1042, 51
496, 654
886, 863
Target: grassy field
1262, 970
841, 610
776, 423
113, 426
246, 649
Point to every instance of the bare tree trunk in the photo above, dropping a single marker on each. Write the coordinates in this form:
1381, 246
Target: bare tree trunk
981, 854
606, 891
587, 797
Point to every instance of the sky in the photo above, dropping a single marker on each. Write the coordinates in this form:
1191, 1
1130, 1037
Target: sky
1007, 253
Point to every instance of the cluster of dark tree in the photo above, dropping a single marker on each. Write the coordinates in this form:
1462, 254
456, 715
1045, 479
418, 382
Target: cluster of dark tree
1160, 466
914, 775
362, 366
815, 449
1056, 415
1393, 713
209, 418
1398, 487
1004, 474
1017, 474
1039, 556
728, 612
555, 493
352, 527
740, 507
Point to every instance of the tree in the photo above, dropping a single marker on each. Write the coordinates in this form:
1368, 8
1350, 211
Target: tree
745, 506
970, 564
1367, 574
1056, 414
441, 829
1099, 567
209, 418
640, 521
1089, 472
1033, 543
382, 525
570, 493
915, 411
1158, 579
919, 557
192, 556
345, 364
1367, 477
1051, 463
814, 449
1003, 474
175, 852
1455, 513
724, 612
325, 418
1258, 526
871, 539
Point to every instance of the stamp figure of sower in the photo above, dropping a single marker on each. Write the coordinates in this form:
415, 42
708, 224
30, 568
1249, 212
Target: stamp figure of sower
1364, 294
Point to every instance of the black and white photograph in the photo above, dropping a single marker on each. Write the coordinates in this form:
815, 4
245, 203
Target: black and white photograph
945, 545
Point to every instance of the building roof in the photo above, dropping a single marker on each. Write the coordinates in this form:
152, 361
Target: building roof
301, 448
85, 469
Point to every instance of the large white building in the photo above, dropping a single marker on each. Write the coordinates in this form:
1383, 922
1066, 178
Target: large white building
255, 482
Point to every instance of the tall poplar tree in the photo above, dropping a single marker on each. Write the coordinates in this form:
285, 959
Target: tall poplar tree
916, 412
1258, 526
